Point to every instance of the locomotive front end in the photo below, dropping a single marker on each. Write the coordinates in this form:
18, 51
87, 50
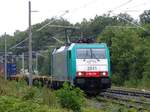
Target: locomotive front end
92, 68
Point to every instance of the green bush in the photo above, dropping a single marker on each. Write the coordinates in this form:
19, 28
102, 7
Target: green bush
71, 98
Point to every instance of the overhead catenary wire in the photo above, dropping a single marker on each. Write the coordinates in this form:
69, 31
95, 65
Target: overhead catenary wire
74, 10
121, 27
83, 6
51, 21
123, 4
127, 10
67, 11
18, 43
60, 26
129, 21
130, 9
57, 40
138, 5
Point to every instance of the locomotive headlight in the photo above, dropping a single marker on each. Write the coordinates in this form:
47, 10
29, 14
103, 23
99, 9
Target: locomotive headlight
104, 73
79, 73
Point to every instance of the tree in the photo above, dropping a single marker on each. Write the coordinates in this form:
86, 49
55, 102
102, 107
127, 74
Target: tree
122, 17
145, 17
126, 53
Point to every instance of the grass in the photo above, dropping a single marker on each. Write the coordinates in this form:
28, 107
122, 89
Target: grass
19, 97
12, 104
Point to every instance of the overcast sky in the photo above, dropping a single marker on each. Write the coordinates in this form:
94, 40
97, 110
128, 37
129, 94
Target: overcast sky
14, 13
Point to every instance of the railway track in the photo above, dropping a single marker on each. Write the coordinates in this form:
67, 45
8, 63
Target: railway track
136, 99
130, 93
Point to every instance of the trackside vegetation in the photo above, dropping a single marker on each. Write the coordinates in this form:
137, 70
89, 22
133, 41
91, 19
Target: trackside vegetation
72, 98
19, 97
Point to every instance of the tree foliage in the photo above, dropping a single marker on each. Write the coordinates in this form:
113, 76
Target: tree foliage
129, 54
145, 17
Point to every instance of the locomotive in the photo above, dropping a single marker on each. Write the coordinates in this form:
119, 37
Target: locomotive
85, 65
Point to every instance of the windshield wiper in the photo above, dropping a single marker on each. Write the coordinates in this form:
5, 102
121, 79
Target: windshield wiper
86, 55
94, 56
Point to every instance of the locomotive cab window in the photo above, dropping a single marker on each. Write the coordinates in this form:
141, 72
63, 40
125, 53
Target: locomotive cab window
83, 53
91, 53
99, 53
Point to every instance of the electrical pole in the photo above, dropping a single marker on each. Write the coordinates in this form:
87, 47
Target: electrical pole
30, 47
5, 57
36, 63
23, 63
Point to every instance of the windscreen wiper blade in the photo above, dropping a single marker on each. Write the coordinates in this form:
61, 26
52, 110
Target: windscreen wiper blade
94, 56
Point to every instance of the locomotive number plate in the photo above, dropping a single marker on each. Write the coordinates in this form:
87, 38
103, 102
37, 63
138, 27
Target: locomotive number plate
91, 68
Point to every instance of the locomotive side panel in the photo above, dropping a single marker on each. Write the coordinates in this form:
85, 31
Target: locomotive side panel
59, 66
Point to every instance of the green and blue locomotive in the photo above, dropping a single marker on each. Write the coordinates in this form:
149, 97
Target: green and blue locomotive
83, 65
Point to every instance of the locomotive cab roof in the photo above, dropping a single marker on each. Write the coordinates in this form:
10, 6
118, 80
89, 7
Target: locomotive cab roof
79, 45
87, 45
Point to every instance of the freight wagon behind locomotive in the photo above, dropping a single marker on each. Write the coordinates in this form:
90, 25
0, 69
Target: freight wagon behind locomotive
11, 69
83, 65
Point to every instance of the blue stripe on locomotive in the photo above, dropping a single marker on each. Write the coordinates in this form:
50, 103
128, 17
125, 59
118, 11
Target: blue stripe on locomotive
71, 57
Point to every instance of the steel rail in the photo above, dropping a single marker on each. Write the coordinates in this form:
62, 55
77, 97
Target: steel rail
131, 98
130, 93
124, 102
